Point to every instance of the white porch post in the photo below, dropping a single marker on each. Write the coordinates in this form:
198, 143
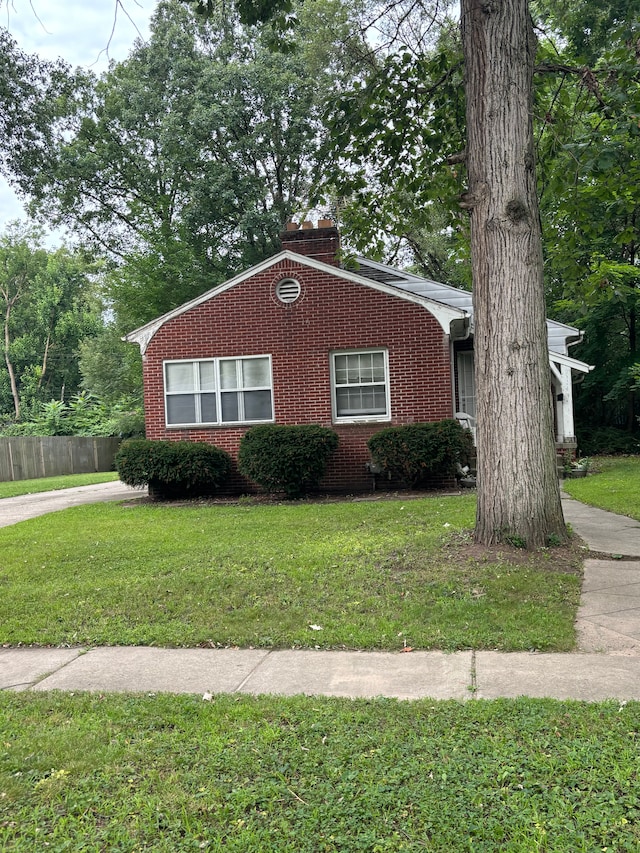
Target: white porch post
564, 401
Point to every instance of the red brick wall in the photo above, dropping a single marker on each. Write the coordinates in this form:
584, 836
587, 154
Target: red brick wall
330, 314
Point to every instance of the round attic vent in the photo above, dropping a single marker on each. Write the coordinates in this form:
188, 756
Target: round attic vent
288, 290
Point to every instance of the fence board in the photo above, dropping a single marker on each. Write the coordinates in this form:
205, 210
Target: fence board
5, 462
82, 456
55, 454
27, 457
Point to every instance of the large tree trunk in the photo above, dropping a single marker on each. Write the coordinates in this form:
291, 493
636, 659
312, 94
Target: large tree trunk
518, 491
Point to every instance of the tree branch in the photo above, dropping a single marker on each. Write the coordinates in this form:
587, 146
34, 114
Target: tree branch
587, 77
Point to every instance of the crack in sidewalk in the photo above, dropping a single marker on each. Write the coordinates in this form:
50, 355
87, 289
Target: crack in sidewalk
249, 674
473, 686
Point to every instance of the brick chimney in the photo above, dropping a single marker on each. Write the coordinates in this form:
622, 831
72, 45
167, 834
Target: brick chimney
321, 243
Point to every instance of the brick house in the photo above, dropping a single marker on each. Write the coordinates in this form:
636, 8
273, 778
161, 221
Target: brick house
299, 339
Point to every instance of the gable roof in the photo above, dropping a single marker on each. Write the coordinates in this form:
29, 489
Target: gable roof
446, 303
444, 312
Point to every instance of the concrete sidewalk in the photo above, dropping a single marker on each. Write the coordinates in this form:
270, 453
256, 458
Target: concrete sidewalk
607, 664
608, 618
416, 675
604, 532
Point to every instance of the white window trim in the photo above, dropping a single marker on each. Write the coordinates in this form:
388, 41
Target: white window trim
218, 392
360, 419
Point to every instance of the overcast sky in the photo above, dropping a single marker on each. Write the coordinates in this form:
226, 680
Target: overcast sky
83, 32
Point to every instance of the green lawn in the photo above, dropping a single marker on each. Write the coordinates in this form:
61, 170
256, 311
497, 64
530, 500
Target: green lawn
15, 488
368, 575
316, 775
614, 485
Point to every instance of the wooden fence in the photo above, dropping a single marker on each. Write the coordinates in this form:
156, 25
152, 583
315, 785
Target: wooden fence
28, 457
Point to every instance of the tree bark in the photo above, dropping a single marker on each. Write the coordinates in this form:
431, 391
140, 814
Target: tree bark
45, 357
518, 490
7, 359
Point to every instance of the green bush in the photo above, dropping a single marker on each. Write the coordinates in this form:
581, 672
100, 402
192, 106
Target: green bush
607, 441
172, 468
416, 453
291, 459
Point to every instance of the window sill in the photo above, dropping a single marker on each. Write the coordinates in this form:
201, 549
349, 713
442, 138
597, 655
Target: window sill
364, 420
218, 426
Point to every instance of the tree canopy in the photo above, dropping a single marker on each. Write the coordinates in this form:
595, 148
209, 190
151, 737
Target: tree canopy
37, 98
589, 134
189, 157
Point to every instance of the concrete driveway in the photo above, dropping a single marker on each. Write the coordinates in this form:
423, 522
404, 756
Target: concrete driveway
13, 510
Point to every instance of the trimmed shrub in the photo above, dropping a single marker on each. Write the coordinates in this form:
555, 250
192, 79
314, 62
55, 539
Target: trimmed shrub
416, 453
289, 459
172, 468
607, 441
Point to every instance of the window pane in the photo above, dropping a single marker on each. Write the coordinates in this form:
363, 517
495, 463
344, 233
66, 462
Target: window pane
341, 369
228, 374
379, 400
372, 400
257, 405
181, 409
466, 384
343, 402
255, 373
369, 400
353, 369
359, 368
366, 399
377, 363
207, 376
208, 407
360, 384
229, 402
365, 367
180, 376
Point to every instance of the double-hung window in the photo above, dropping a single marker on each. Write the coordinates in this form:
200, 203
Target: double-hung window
217, 391
360, 383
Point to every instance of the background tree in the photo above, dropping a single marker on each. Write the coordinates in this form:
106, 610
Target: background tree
48, 306
190, 156
20, 262
180, 166
393, 137
590, 192
36, 100
111, 370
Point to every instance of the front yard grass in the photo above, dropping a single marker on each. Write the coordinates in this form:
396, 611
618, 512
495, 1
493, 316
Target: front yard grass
316, 775
614, 485
358, 575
